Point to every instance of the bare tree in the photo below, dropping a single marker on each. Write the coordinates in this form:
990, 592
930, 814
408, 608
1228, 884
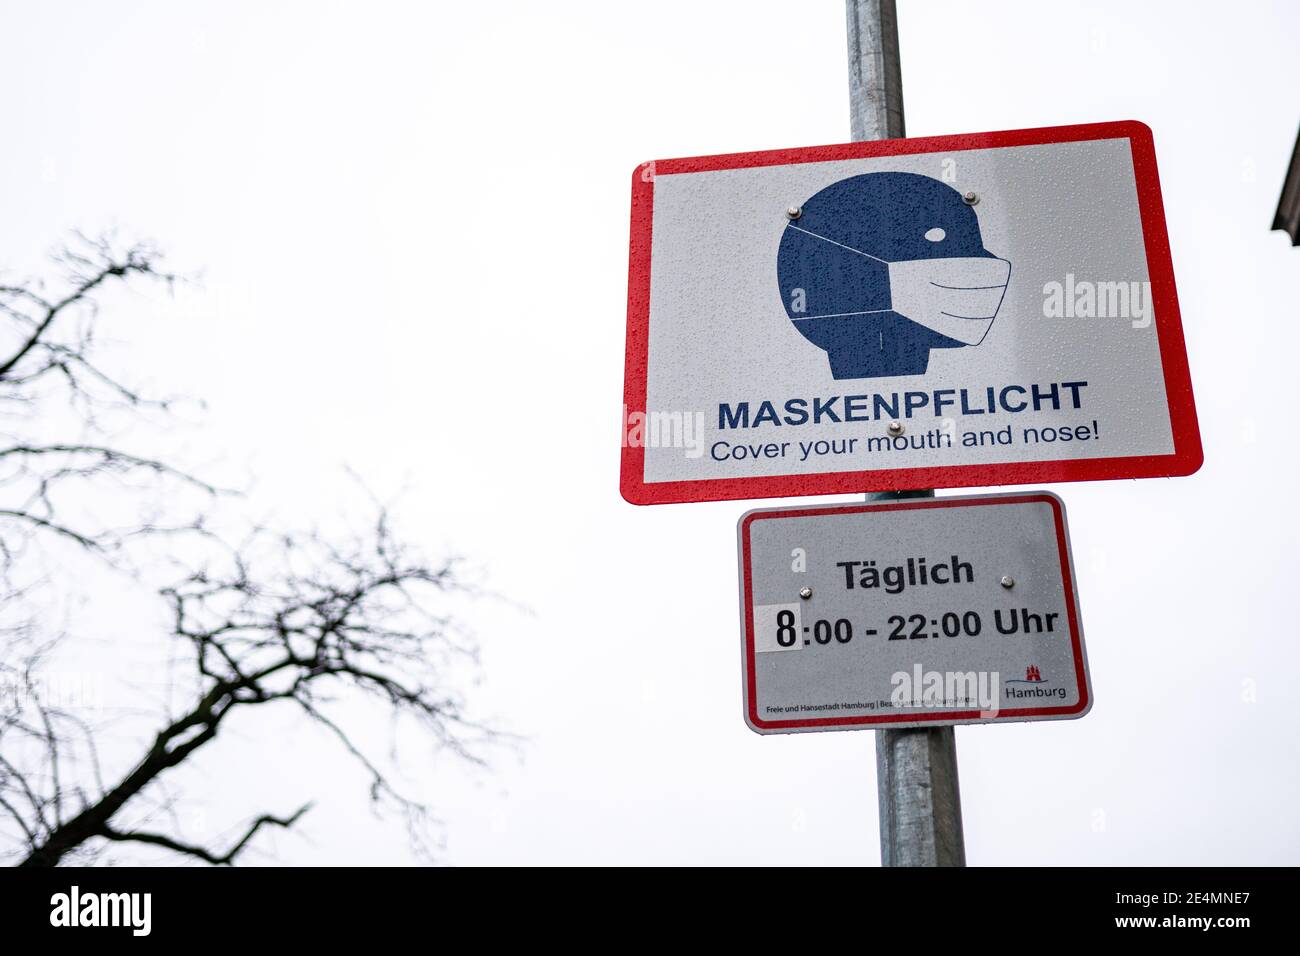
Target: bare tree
270, 619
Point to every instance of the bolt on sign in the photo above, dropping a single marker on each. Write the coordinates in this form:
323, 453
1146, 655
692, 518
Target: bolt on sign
986, 309
910, 613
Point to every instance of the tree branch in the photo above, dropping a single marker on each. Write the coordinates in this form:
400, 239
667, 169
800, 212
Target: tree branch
277, 617
207, 856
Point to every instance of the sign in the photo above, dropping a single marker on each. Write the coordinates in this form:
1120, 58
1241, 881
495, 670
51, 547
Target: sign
996, 308
910, 613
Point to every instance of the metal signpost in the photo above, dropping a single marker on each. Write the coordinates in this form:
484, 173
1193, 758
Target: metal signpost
889, 316
917, 786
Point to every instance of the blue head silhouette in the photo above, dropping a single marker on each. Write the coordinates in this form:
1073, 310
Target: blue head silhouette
879, 269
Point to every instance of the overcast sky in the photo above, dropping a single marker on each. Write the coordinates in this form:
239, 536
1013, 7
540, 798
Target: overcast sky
412, 220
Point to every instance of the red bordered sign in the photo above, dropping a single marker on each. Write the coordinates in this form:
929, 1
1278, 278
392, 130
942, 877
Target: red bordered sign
704, 286
1017, 539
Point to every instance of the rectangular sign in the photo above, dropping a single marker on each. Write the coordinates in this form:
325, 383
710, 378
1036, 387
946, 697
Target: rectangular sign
910, 613
995, 308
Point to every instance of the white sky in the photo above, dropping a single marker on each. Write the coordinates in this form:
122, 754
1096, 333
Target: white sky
412, 224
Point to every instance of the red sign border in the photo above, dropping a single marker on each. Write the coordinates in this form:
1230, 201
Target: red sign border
750, 689
1185, 460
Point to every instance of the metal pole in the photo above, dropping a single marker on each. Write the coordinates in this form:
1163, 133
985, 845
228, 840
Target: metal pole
916, 770
875, 76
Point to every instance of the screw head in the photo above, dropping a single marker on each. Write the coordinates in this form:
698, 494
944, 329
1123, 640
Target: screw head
895, 428
793, 213
970, 199
1008, 581
805, 593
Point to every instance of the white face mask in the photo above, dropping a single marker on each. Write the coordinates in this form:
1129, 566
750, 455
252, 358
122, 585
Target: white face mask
957, 297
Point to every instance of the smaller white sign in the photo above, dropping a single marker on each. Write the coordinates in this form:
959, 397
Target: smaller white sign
910, 613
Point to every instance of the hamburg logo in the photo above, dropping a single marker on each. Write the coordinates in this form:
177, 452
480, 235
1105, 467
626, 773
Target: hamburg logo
879, 269
1032, 676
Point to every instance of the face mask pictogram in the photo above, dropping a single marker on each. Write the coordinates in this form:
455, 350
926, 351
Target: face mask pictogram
880, 269
958, 298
